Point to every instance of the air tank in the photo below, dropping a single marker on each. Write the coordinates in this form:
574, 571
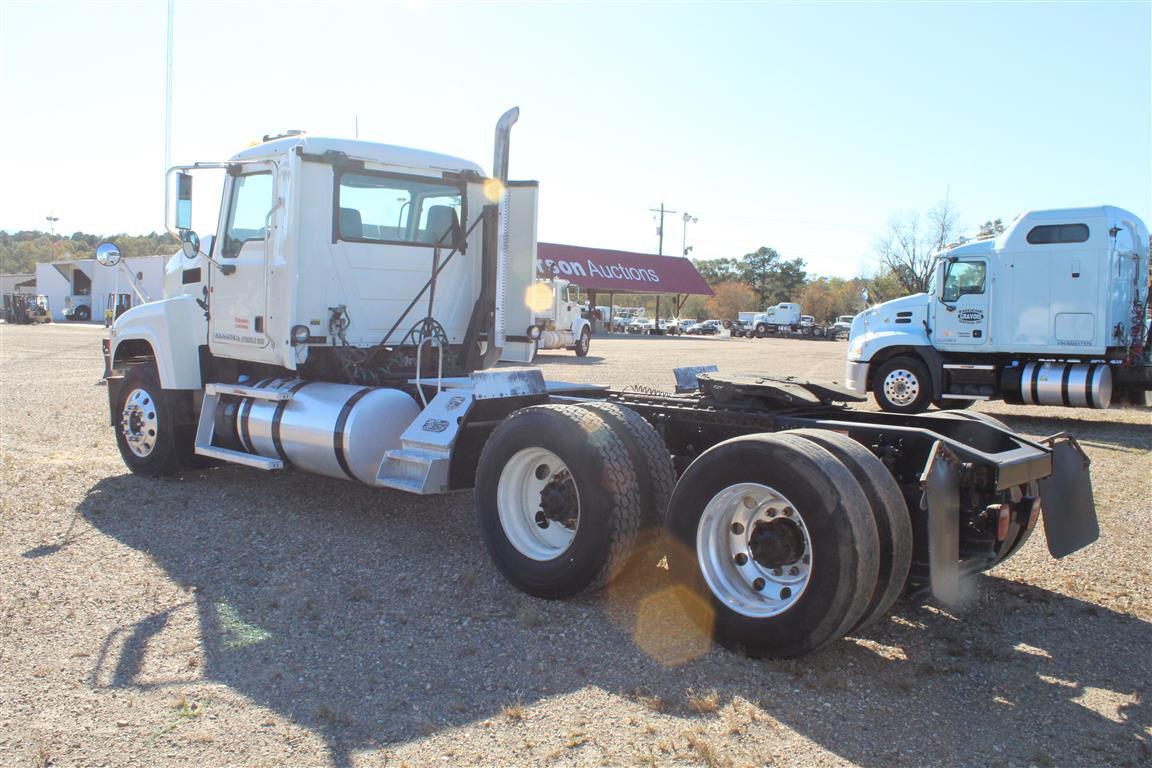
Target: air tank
1076, 385
338, 430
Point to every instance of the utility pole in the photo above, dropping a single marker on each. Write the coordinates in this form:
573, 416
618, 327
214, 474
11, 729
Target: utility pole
684, 238
660, 230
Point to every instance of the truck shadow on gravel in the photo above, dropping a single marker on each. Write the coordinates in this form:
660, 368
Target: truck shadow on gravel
1102, 432
374, 617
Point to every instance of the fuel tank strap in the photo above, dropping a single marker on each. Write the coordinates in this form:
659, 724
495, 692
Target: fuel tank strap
338, 433
280, 407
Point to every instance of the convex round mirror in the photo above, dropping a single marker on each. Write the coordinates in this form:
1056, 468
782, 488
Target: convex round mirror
190, 243
107, 254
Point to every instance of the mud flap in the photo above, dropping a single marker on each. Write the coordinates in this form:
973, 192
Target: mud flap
941, 483
1069, 508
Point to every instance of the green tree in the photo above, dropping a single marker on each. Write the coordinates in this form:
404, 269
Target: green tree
771, 277
990, 228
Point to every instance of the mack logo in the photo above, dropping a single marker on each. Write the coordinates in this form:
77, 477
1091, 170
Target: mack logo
435, 425
971, 316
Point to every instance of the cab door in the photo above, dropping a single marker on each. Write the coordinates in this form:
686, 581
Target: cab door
238, 292
961, 307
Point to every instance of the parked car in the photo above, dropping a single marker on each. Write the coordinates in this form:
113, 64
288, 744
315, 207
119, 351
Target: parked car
706, 328
687, 323
641, 325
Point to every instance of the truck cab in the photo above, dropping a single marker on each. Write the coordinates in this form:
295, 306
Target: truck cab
1049, 312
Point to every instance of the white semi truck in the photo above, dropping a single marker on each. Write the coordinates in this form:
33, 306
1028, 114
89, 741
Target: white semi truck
346, 318
559, 322
1053, 311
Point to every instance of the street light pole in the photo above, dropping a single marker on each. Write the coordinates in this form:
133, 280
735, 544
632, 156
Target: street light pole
52, 222
684, 238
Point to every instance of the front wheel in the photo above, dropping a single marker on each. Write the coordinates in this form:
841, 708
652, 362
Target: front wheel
902, 385
761, 330
774, 545
584, 343
557, 499
150, 440
82, 314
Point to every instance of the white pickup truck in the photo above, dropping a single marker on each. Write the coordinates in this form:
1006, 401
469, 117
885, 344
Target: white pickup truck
1051, 312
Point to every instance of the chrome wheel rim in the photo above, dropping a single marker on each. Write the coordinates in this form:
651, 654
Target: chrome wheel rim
138, 422
754, 550
538, 503
901, 387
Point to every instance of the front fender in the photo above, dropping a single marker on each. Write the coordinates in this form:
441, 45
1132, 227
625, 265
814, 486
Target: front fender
864, 347
174, 329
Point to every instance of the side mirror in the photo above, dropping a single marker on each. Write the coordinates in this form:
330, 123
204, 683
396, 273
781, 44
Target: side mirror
184, 201
190, 244
107, 254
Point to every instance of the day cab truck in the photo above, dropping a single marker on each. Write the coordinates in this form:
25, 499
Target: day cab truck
346, 320
1053, 311
559, 323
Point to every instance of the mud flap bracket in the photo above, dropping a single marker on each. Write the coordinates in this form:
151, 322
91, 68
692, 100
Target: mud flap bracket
941, 483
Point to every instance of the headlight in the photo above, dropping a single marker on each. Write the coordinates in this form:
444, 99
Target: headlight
856, 350
300, 334
533, 332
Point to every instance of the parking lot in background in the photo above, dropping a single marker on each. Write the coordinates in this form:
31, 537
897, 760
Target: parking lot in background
231, 617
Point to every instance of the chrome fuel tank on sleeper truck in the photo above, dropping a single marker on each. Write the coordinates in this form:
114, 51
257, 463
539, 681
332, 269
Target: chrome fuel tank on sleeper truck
338, 430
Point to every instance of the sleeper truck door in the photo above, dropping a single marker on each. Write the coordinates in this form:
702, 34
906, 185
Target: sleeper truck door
961, 306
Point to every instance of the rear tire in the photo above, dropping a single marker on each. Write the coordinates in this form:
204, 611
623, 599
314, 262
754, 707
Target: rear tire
557, 500
902, 385
754, 512
889, 510
655, 474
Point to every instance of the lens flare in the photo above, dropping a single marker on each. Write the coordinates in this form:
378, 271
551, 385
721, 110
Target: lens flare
493, 190
538, 297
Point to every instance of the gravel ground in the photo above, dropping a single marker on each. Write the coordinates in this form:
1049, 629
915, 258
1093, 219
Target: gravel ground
235, 618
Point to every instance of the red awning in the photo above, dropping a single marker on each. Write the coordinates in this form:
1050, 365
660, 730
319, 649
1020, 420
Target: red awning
597, 269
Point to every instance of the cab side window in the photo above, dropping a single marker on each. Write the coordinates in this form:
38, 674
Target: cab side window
963, 277
251, 201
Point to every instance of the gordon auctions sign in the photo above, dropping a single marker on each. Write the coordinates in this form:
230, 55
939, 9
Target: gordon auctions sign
599, 269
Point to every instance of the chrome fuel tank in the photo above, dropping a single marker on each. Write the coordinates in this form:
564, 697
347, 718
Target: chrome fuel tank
338, 430
1077, 385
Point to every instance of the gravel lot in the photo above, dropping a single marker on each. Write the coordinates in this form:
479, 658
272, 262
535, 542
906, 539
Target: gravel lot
235, 618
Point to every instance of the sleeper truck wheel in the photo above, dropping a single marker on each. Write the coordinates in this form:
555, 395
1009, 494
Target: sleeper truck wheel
557, 500
584, 343
902, 385
761, 330
774, 545
147, 434
889, 510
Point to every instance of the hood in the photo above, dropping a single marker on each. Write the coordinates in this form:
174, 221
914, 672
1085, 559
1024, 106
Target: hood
905, 313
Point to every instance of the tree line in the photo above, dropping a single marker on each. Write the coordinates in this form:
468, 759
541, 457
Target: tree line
903, 254
20, 252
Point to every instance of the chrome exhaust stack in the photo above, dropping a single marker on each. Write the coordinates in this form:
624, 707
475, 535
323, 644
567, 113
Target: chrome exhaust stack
503, 139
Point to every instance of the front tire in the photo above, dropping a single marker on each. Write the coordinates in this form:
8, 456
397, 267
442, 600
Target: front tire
557, 500
902, 385
761, 330
82, 314
584, 343
150, 440
773, 544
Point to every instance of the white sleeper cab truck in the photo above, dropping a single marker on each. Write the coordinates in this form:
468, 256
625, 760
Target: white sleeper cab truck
346, 319
559, 323
782, 318
1053, 311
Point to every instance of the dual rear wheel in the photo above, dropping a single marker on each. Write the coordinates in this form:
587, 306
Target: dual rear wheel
780, 543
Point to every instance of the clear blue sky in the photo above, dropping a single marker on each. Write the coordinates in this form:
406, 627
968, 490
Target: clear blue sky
803, 126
